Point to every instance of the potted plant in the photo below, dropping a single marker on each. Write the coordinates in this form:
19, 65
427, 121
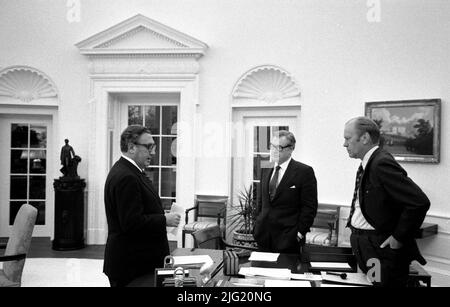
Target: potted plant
243, 217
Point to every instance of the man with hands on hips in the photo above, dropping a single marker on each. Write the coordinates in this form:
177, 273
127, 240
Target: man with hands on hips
387, 208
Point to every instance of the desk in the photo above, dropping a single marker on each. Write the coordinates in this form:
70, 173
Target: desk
291, 261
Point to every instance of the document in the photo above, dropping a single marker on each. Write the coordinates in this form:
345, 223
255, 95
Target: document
265, 272
355, 279
310, 277
330, 266
175, 209
197, 259
287, 283
260, 256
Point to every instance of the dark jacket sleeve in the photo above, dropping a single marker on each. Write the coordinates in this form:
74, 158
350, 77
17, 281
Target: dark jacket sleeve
404, 193
308, 201
130, 210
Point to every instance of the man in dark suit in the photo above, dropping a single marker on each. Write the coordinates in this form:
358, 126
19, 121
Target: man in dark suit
287, 199
137, 238
387, 209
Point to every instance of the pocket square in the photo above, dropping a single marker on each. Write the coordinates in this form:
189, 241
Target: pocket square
293, 187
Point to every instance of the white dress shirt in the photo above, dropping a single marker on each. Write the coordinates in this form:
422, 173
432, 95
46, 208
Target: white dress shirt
283, 167
132, 162
358, 220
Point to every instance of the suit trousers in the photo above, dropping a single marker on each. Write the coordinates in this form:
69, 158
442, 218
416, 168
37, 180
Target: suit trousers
393, 266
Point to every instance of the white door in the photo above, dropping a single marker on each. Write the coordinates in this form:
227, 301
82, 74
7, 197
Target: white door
251, 146
159, 112
24, 172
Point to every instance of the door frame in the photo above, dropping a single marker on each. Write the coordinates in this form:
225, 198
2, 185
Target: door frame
240, 146
49, 113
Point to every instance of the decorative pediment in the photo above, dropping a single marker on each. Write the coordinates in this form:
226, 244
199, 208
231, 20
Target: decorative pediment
268, 84
143, 36
26, 84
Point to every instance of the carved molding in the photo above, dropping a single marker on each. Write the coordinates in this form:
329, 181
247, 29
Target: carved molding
269, 84
26, 84
142, 65
103, 42
135, 31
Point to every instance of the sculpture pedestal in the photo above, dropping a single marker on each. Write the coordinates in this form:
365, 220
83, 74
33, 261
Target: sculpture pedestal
69, 213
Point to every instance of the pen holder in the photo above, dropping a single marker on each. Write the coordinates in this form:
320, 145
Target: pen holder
168, 262
230, 263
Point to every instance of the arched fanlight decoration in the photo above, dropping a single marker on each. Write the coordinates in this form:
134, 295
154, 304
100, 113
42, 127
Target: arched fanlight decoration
266, 83
26, 84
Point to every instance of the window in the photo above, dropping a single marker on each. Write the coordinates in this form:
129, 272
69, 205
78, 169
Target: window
162, 122
28, 169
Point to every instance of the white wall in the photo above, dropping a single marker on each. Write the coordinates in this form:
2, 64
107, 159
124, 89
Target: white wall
339, 59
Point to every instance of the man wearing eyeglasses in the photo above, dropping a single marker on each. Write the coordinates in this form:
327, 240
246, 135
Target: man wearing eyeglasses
287, 199
137, 238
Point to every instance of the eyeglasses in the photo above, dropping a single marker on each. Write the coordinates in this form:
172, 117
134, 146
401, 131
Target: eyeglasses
149, 147
279, 147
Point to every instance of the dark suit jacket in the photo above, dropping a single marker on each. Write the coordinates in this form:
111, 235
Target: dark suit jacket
391, 202
292, 209
137, 238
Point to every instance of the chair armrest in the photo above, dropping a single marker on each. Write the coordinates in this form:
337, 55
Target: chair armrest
186, 219
12, 257
251, 248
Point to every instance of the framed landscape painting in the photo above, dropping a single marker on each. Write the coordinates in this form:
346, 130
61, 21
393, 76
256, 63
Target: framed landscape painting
410, 129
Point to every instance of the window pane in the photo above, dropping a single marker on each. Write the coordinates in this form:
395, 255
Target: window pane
19, 160
37, 187
38, 137
135, 115
40, 205
260, 162
169, 119
19, 136
275, 129
262, 139
168, 182
167, 203
152, 116
153, 175
155, 158
18, 187
169, 151
14, 207
38, 161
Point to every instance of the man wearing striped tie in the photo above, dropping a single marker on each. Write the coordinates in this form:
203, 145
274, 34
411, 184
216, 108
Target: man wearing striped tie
387, 207
287, 199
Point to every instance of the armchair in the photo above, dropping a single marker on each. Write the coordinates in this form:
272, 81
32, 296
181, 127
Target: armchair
17, 247
206, 206
212, 238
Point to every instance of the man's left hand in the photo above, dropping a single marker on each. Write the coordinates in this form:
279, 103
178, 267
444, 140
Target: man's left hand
299, 236
392, 242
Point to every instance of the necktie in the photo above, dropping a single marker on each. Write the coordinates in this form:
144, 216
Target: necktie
273, 183
359, 174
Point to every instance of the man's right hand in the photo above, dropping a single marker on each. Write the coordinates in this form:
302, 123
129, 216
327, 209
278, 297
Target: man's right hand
172, 219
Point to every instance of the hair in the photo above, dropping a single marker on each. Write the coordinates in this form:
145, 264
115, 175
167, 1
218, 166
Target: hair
288, 135
364, 124
130, 136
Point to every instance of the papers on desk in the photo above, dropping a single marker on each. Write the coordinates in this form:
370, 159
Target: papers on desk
330, 266
355, 279
190, 260
266, 272
260, 256
287, 283
309, 277
175, 209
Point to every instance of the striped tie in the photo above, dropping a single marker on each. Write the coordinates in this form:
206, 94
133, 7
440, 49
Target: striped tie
359, 174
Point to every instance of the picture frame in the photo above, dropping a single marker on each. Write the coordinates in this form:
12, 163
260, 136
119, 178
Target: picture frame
410, 129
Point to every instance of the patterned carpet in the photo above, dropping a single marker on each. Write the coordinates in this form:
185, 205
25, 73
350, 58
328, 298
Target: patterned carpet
63, 272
